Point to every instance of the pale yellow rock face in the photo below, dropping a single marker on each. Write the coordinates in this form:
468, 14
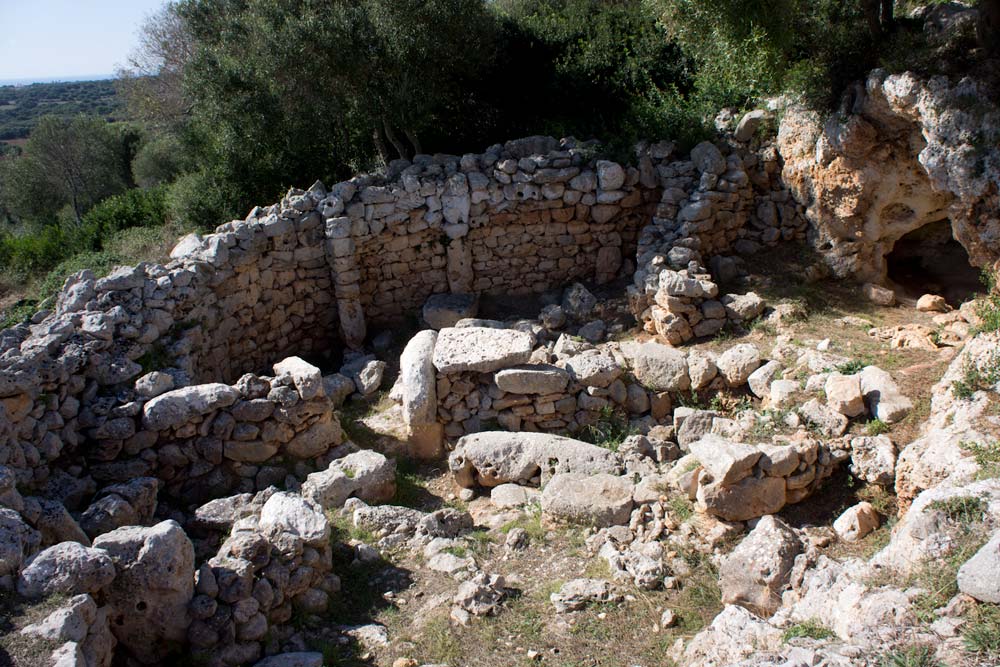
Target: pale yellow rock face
901, 158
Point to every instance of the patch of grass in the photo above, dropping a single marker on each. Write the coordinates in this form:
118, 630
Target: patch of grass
811, 629
987, 457
18, 313
981, 634
877, 427
609, 431
915, 655
680, 507
344, 529
700, 597
530, 521
440, 643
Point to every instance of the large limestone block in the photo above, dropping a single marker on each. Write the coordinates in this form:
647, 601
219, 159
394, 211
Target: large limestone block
68, 568
980, 575
593, 370
366, 474
726, 461
873, 459
480, 349
18, 540
441, 311
291, 513
843, 394
658, 367
535, 379
882, 395
856, 522
308, 379
497, 457
748, 499
737, 363
591, 500
419, 388
759, 568
176, 408
152, 588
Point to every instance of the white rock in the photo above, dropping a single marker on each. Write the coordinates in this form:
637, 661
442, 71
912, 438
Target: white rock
856, 522
308, 379
658, 367
760, 567
760, 380
68, 568
533, 379
843, 394
726, 461
737, 363
176, 408
873, 459
576, 594
480, 349
591, 500
980, 575
290, 513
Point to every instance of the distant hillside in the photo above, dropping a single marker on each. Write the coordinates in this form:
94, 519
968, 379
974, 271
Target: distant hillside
21, 106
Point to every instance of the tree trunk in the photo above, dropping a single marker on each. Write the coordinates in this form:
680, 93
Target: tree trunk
887, 16
394, 140
379, 139
988, 28
872, 10
414, 141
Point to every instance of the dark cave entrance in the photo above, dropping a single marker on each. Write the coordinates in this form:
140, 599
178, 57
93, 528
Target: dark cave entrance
929, 260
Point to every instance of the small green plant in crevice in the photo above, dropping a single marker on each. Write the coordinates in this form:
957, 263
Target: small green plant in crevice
987, 457
680, 507
915, 655
810, 629
981, 633
609, 430
977, 377
851, 367
876, 427
963, 510
530, 521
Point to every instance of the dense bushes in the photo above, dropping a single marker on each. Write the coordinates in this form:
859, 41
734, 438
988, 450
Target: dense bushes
30, 254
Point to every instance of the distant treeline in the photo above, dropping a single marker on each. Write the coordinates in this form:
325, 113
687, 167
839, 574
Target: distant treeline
22, 106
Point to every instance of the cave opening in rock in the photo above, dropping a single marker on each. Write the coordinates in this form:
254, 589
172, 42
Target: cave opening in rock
929, 260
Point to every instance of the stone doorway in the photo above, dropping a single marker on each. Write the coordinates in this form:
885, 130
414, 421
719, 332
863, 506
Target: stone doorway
929, 260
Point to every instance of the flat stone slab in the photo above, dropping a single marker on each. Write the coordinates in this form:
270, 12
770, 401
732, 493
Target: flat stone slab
726, 461
591, 500
480, 349
537, 379
175, 408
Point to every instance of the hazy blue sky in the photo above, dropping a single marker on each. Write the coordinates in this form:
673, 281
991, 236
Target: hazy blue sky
42, 39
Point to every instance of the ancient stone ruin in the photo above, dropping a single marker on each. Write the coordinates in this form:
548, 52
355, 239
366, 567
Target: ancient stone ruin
173, 454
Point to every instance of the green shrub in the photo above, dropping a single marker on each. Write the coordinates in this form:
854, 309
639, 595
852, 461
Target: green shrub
199, 201
609, 431
877, 427
988, 309
963, 510
977, 377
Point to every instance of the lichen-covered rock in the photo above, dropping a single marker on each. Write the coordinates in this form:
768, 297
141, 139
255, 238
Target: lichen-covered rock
480, 349
18, 541
760, 567
367, 474
592, 500
658, 367
180, 406
576, 594
737, 363
495, 457
153, 584
68, 568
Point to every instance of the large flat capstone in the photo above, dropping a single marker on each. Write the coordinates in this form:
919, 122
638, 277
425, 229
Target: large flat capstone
537, 379
176, 408
480, 349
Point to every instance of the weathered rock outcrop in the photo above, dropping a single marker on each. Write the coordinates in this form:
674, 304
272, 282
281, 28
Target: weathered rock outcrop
902, 153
